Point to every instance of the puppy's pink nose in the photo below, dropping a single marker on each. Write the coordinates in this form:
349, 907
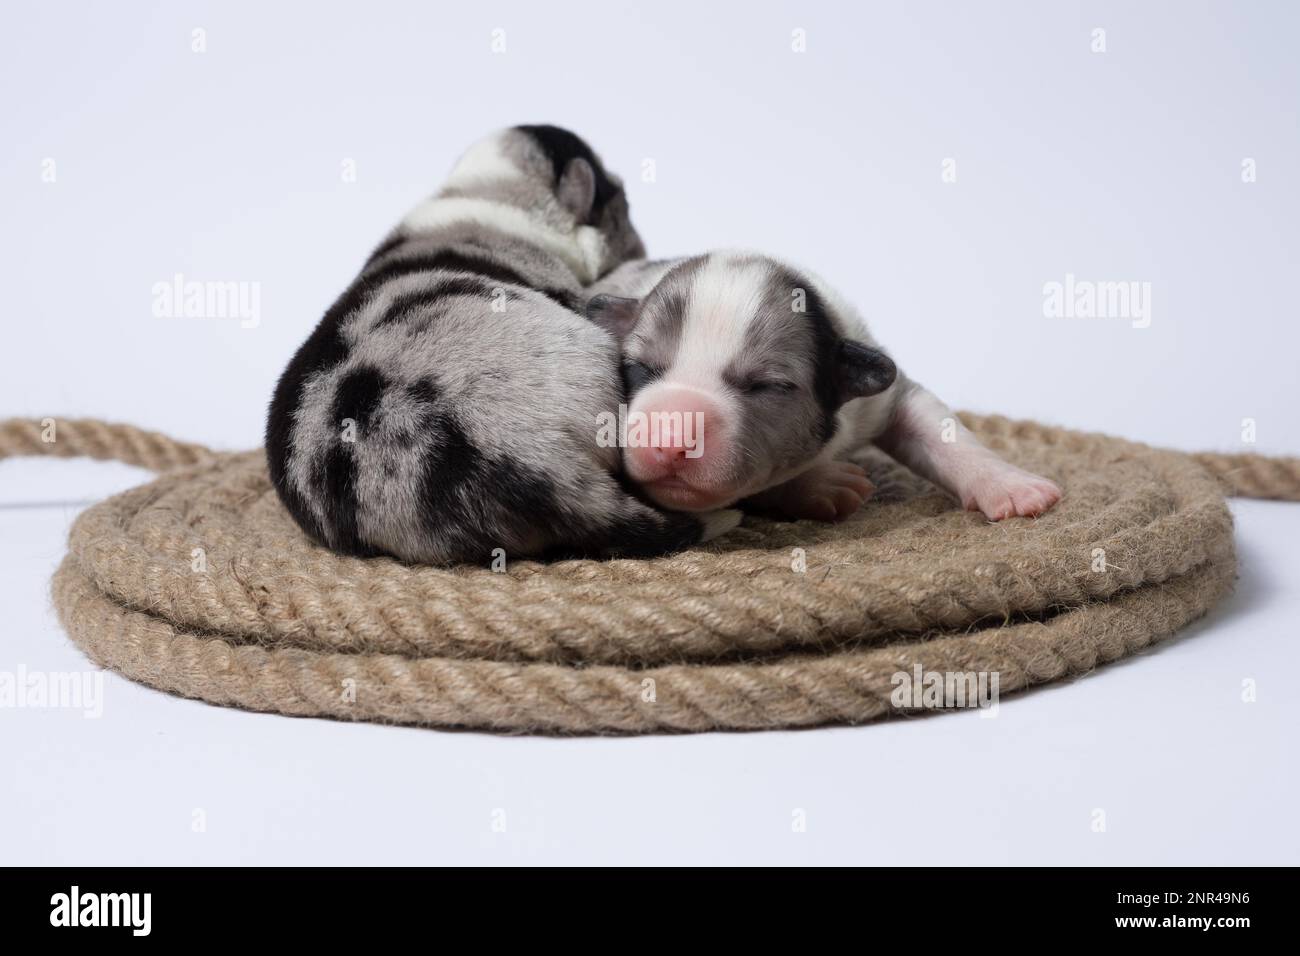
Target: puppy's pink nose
680, 426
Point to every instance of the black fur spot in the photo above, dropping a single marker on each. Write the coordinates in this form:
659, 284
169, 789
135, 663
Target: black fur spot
645, 535
447, 484
561, 147
456, 262
444, 262
425, 392
649, 537
358, 396
637, 376
323, 350
335, 479
406, 305
825, 350
465, 495
334, 474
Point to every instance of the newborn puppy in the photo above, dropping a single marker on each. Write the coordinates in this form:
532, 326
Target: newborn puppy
783, 377
445, 406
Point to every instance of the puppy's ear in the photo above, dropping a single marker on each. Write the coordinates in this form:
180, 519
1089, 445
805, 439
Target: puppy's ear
577, 188
862, 370
615, 315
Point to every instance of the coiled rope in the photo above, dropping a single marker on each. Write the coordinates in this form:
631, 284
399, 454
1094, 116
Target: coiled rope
199, 584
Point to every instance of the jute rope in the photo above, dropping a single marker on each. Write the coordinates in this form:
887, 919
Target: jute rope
200, 584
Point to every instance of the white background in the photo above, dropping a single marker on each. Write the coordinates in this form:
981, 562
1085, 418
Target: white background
226, 165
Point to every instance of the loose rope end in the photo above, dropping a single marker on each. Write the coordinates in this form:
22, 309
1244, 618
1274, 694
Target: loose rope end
1254, 476
92, 438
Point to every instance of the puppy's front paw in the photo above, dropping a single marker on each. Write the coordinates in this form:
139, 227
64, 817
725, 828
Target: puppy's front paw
1005, 491
831, 491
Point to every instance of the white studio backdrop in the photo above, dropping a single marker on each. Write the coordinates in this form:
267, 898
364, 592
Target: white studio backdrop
940, 163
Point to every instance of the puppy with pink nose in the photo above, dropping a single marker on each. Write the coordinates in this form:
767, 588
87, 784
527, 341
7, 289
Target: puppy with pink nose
747, 382
682, 451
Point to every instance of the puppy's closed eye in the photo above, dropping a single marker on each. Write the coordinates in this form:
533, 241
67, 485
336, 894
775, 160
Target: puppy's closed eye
637, 375
754, 386
762, 386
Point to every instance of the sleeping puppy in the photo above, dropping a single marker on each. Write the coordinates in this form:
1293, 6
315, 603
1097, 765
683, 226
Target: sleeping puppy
762, 377
443, 408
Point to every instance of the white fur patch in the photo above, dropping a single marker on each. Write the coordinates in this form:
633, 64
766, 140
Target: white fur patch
484, 160
578, 251
724, 299
593, 247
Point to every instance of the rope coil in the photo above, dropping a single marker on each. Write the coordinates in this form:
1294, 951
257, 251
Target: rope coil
200, 584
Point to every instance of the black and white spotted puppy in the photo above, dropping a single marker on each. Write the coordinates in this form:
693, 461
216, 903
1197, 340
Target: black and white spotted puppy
445, 406
784, 378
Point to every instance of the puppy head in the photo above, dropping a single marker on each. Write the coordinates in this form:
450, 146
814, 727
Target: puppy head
734, 370
553, 173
